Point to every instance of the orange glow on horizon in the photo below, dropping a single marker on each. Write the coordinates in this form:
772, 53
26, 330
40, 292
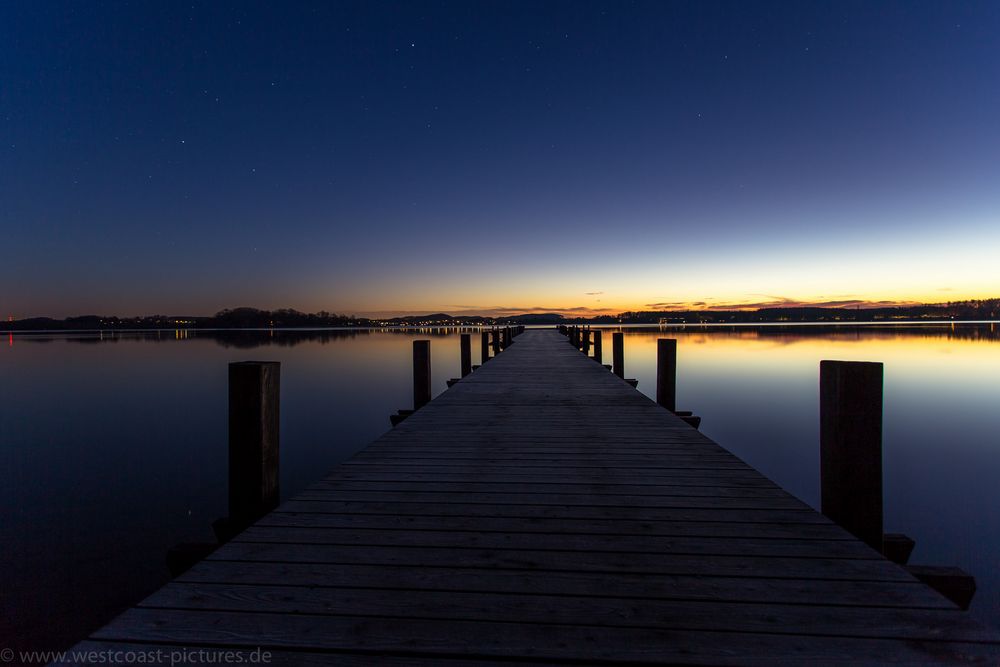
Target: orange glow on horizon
707, 306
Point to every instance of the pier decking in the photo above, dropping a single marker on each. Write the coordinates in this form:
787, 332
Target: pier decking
544, 511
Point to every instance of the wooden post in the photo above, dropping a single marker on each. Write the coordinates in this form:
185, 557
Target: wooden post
850, 415
484, 354
586, 342
254, 392
421, 373
598, 350
466, 353
496, 342
618, 354
666, 373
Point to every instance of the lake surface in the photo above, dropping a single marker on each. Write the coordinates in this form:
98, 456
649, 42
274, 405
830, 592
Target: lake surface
113, 446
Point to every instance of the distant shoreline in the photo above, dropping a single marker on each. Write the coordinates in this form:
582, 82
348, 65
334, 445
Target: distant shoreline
417, 327
980, 310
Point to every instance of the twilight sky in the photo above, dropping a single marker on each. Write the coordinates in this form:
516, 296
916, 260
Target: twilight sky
376, 157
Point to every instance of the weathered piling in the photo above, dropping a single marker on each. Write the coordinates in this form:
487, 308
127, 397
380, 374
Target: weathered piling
254, 393
666, 373
586, 341
421, 373
496, 342
598, 349
618, 354
484, 354
465, 343
851, 447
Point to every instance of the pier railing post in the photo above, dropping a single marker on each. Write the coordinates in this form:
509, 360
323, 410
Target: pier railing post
586, 342
466, 353
666, 373
850, 413
484, 354
254, 421
421, 373
598, 350
496, 342
618, 354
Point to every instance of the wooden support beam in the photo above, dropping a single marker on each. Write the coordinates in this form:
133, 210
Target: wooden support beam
254, 421
598, 347
693, 421
851, 447
182, 557
485, 350
897, 547
465, 343
496, 342
421, 373
952, 582
666, 373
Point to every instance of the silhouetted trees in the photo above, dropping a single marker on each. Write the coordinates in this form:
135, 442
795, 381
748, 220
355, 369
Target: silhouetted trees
288, 318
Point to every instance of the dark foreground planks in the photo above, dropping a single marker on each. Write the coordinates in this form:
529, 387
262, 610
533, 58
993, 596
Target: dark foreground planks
542, 511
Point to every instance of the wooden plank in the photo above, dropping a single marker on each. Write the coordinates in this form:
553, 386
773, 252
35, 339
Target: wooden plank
725, 498
535, 640
544, 473
600, 487
601, 611
569, 560
554, 526
607, 461
654, 544
801, 516
907, 594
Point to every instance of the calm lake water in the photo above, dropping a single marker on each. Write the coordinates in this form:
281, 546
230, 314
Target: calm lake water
113, 446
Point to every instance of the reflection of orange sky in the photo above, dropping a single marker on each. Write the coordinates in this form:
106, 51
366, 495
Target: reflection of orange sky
933, 351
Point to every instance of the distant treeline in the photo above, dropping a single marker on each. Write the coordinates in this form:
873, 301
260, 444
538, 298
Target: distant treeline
982, 309
241, 318
253, 318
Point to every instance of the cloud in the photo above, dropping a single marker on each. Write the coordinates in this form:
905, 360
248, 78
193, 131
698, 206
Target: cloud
675, 305
774, 301
786, 302
593, 293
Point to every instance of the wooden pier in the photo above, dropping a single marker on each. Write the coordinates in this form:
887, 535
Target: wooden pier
542, 511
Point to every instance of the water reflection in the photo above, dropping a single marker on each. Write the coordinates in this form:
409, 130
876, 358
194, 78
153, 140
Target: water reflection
114, 443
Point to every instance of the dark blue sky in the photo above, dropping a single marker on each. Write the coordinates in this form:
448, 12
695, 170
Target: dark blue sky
185, 157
